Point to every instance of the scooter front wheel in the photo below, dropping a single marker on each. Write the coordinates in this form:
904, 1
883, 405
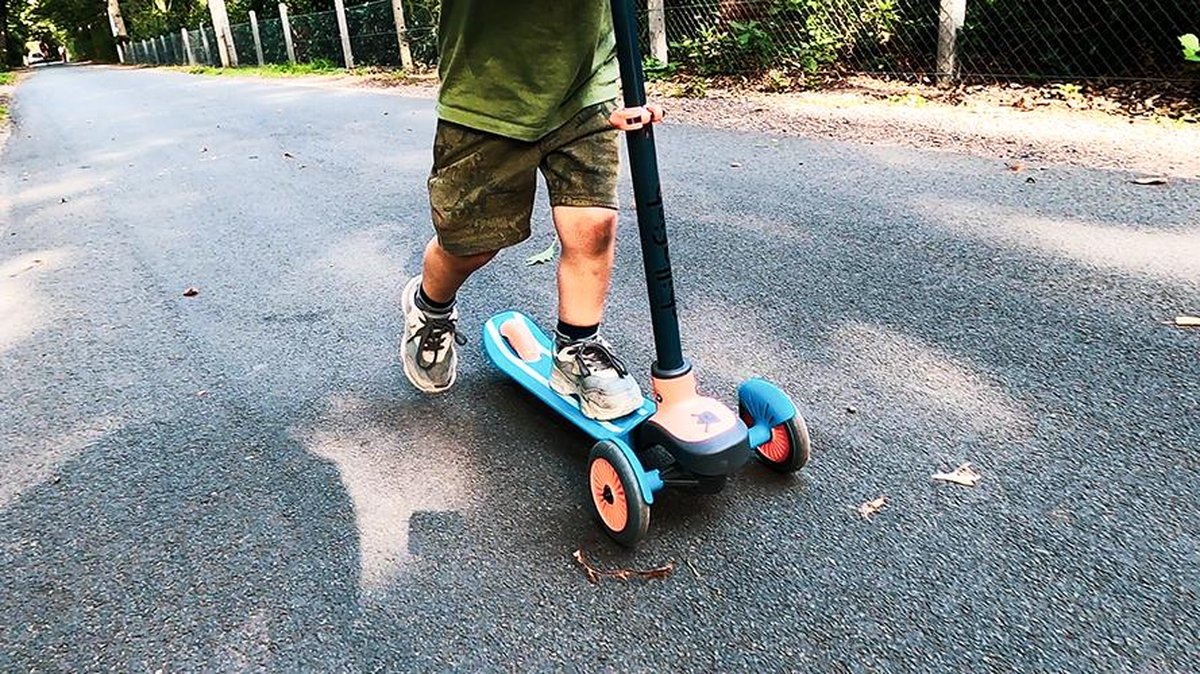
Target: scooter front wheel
787, 450
616, 495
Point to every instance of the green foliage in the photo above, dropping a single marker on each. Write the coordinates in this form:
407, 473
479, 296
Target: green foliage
421, 19
805, 35
656, 70
702, 53
21, 28
316, 67
1191, 47
7, 79
81, 24
151, 18
688, 87
777, 80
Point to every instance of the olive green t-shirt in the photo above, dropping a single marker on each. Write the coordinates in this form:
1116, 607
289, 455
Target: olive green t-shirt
523, 69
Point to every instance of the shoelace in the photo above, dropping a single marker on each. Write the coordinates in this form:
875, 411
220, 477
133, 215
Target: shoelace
596, 354
432, 334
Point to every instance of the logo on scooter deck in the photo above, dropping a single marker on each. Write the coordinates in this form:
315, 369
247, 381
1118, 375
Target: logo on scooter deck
706, 419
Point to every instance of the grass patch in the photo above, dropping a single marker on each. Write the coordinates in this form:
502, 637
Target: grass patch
270, 70
3, 113
7, 78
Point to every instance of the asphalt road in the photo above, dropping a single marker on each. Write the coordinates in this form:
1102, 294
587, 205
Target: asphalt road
243, 479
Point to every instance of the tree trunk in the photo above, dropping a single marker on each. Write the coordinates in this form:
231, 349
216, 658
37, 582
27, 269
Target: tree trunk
3, 34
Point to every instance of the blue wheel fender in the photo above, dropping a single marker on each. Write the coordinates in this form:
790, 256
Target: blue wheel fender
766, 402
649, 481
768, 405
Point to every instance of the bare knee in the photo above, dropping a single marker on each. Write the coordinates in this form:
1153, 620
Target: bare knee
589, 233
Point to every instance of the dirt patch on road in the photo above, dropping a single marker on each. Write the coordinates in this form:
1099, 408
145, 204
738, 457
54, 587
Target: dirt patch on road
1047, 125
1030, 126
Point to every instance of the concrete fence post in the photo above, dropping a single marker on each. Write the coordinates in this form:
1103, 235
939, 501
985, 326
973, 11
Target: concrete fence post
658, 29
257, 39
117, 23
220, 17
204, 44
952, 17
340, 6
287, 33
406, 59
187, 47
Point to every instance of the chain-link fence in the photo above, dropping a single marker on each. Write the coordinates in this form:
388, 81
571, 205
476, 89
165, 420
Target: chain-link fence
945, 39
970, 39
316, 38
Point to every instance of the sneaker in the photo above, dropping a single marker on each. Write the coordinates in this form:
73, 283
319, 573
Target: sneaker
430, 360
589, 370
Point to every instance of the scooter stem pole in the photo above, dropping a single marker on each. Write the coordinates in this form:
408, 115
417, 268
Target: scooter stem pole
652, 223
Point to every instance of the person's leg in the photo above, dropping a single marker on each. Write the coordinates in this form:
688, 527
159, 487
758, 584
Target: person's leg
481, 194
581, 168
588, 237
442, 274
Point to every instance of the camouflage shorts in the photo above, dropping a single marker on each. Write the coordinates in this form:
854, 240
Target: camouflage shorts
482, 185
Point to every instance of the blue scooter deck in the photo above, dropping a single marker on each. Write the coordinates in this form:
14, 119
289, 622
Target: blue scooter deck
534, 376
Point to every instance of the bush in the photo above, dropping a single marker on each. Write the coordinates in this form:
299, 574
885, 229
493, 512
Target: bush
807, 35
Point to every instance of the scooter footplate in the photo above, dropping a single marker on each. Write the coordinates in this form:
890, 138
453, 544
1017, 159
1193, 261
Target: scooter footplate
534, 376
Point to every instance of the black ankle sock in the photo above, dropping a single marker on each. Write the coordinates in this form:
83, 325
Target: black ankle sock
573, 333
425, 303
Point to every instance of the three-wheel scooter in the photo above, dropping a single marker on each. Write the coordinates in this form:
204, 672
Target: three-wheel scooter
678, 438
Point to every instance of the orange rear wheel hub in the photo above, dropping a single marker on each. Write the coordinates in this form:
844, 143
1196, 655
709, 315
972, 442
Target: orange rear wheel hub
608, 495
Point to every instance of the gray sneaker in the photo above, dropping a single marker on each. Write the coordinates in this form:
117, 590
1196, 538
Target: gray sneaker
430, 361
591, 371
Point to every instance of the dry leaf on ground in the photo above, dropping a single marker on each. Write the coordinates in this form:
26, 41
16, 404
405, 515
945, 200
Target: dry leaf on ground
191, 292
544, 256
594, 575
1016, 167
871, 507
1187, 321
964, 475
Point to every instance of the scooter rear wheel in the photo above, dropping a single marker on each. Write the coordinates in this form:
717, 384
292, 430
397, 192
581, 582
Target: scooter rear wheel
616, 495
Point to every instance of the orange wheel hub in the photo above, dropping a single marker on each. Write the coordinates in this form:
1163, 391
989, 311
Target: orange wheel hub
779, 448
608, 495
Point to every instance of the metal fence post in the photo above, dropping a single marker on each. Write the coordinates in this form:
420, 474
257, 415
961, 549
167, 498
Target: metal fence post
168, 56
658, 30
257, 39
154, 50
287, 33
952, 16
406, 60
187, 46
340, 6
